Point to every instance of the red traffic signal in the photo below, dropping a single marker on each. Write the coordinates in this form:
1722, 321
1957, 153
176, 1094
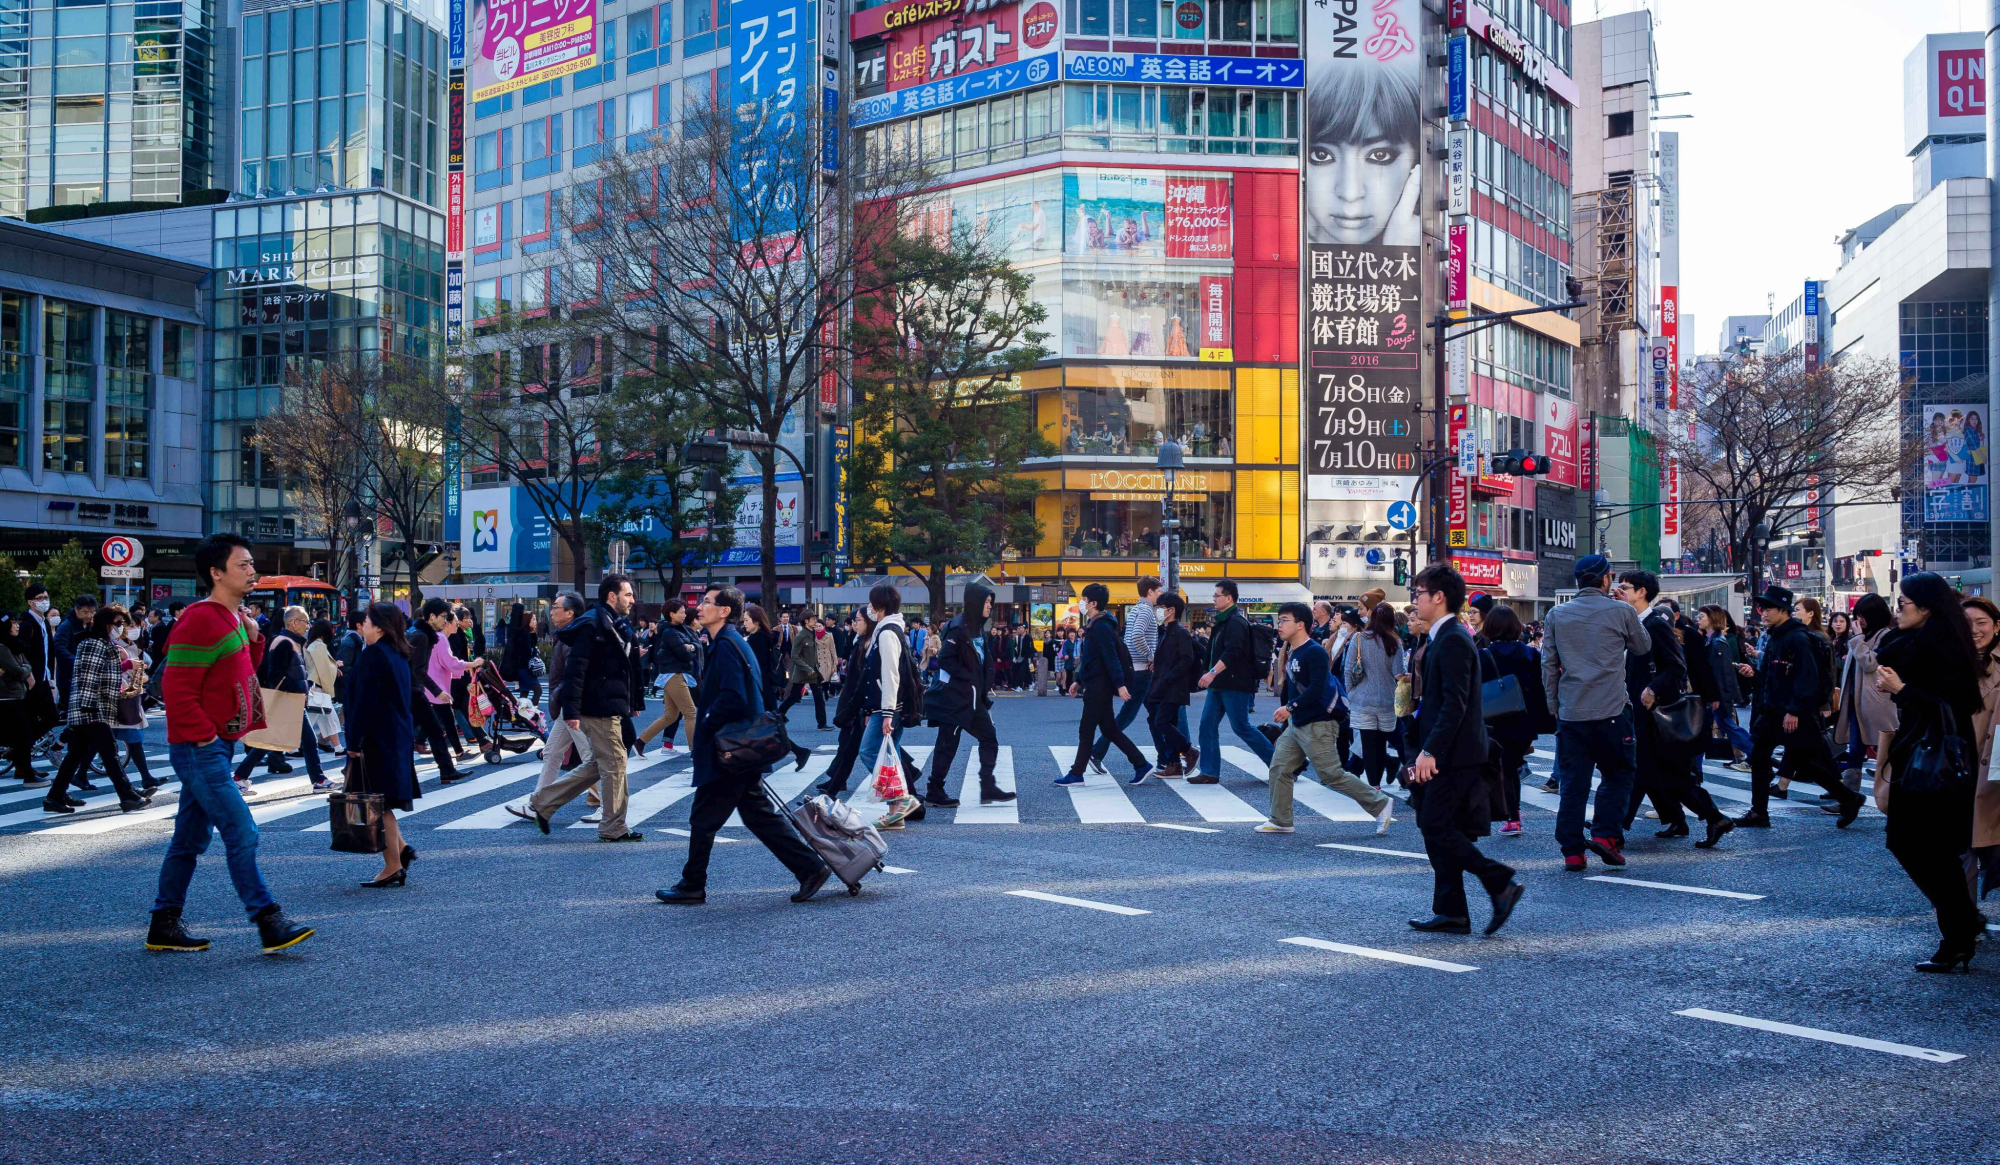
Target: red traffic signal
1521, 463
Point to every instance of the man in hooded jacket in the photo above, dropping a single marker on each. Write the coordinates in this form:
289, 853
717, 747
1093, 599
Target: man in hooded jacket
964, 702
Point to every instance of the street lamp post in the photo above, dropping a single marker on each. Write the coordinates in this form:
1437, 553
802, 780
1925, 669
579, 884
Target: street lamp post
1169, 462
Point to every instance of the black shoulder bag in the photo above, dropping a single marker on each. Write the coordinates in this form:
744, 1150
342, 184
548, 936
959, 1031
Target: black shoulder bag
758, 740
1941, 760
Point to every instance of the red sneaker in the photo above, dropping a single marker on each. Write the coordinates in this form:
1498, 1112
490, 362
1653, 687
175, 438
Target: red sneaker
1606, 849
1574, 862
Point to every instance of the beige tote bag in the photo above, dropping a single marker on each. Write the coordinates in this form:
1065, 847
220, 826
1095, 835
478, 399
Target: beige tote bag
284, 712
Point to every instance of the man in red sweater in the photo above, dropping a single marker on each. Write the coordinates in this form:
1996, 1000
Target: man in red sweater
210, 686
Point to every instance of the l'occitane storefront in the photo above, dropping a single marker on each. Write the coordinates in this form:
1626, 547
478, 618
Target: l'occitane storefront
1101, 501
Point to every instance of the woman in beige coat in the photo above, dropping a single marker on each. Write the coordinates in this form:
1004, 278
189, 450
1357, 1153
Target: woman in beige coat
1865, 711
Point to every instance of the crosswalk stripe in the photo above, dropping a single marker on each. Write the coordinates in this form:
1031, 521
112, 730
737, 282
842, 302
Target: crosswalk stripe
101, 801
472, 787
1098, 800
157, 813
495, 817
658, 797
1306, 791
787, 781
970, 812
1212, 802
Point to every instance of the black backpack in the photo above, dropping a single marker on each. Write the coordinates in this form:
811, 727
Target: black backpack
1263, 646
1822, 649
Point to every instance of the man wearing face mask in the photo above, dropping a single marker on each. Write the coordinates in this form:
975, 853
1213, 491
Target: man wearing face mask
39, 654
964, 703
67, 633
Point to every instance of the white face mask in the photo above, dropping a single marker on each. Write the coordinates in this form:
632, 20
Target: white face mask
40, 605
132, 634
1163, 614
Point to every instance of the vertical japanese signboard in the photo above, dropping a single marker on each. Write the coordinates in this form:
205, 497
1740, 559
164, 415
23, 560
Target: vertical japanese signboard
1363, 242
454, 307
771, 71
1457, 506
843, 446
455, 146
1670, 509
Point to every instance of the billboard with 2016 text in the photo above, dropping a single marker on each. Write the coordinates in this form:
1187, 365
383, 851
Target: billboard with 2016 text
1363, 244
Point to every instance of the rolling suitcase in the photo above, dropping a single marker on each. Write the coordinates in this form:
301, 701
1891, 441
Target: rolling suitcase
849, 845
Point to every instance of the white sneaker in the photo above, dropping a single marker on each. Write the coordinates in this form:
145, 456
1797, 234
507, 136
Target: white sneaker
245, 788
1387, 816
593, 819
1272, 828
1653, 814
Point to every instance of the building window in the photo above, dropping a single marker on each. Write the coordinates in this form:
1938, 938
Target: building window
69, 385
492, 159
541, 147
1104, 524
1620, 125
128, 401
1129, 422
13, 382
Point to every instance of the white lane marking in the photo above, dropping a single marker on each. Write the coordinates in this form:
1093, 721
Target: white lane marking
1376, 953
1189, 829
1212, 802
1306, 789
26, 795
970, 812
1374, 850
897, 870
1672, 887
459, 791
656, 798
1093, 904
101, 801
1821, 1034
287, 788
495, 817
688, 834
1099, 799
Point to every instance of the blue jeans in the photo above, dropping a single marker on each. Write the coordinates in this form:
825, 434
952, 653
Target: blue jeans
1739, 737
1580, 747
1141, 681
1237, 705
210, 801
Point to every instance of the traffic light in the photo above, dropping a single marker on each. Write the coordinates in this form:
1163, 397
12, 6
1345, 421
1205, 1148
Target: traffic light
1401, 573
1520, 463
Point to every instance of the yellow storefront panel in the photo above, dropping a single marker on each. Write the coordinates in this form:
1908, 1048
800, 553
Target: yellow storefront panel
1288, 428
1049, 512
1259, 415
1260, 515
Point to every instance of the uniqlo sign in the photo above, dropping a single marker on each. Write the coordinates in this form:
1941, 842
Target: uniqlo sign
1961, 83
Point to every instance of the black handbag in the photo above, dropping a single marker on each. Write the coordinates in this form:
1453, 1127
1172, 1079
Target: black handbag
1940, 762
357, 819
758, 740
1502, 697
1683, 722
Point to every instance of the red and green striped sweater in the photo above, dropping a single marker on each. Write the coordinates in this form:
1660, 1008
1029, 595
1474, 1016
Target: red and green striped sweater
210, 681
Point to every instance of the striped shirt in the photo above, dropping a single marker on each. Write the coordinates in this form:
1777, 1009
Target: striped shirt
1142, 635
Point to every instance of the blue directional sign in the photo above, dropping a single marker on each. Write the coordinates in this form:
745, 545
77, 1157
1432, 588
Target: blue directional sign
1402, 515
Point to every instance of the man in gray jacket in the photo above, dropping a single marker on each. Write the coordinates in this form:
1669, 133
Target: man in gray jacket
1584, 646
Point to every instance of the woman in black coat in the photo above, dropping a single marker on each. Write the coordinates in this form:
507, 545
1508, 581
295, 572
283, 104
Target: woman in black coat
1515, 732
763, 645
1928, 667
381, 733
517, 660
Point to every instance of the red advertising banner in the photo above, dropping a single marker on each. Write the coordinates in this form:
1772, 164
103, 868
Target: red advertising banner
1455, 273
829, 375
1480, 571
1670, 331
1670, 511
1215, 334
1200, 218
1961, 83
1456, 502
454, 213
1559, 439
954, 46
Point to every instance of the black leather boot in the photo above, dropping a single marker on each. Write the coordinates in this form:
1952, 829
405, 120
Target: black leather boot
278, 932
167, 934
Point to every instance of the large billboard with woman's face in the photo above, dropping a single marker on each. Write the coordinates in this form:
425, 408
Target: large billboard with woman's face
1361, 217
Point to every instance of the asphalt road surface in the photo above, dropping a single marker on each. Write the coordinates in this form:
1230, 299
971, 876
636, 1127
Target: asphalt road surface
1102, 974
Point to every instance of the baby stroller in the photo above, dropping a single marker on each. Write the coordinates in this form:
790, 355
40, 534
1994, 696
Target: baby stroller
503, 713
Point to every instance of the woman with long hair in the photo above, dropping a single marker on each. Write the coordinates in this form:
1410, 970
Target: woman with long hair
382, 731
517, 660
431, 673
764, 646
323, 673
1375, 657
1931, 669
1866, 712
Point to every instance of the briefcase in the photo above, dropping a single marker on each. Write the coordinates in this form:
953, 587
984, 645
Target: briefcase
1502, 697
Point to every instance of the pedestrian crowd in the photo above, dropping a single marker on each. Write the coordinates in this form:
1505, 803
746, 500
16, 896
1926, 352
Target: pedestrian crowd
1636, 692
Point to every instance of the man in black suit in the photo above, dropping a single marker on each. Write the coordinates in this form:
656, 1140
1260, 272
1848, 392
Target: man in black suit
730, 691
1669, 774
1449, 781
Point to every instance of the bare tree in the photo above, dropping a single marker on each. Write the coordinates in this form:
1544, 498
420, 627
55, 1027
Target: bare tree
310, 438
727, 267
1765, 430
935, 487
401, 435
539, 409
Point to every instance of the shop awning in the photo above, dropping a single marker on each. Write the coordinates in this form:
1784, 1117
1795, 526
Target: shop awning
1273, 593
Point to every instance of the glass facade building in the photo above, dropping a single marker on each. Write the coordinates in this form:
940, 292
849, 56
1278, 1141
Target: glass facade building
105, 102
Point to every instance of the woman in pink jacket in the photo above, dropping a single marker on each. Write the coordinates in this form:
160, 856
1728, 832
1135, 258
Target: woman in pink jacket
432, 669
